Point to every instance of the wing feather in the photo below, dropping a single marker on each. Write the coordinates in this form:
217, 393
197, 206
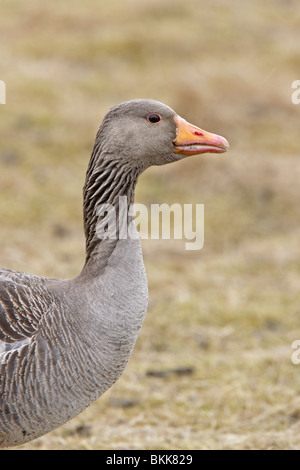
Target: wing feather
23, 302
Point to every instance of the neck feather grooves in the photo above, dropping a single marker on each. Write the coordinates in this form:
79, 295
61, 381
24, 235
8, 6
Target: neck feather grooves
106, 181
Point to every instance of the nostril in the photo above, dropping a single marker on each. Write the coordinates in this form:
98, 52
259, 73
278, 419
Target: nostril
199, 133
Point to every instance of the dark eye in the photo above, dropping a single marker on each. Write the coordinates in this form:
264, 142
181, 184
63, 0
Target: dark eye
153, 117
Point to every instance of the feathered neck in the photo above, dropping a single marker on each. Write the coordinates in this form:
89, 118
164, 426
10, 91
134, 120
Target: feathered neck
107, 179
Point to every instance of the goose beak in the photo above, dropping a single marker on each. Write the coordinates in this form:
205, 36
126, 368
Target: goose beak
191, 140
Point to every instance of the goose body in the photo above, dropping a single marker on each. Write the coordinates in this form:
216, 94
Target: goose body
63, 343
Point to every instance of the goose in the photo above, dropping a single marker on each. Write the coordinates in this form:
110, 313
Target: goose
64, 342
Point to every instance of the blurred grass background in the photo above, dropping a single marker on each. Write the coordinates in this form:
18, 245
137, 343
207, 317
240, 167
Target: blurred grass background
212, 367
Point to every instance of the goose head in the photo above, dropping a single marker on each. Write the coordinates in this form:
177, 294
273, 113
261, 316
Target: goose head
142, 133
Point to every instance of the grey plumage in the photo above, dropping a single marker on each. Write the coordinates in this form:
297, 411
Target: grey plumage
65, 342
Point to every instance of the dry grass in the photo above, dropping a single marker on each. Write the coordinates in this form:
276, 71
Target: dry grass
228, 313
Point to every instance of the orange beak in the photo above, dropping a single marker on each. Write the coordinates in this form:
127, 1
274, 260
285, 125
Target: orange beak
191, 140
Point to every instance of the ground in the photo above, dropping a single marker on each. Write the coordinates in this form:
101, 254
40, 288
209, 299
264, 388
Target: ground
212, 368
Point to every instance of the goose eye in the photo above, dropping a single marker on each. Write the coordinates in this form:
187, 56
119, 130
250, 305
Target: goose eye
153, 118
